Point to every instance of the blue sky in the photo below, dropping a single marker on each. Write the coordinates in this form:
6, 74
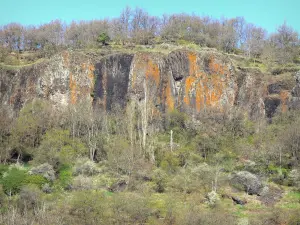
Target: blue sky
268, 14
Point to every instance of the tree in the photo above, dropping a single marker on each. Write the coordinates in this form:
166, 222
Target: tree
121, 26
13, 36
103, 38
32, 122
254, 40
5, 131
143, 26
284, 43
291, 142
57, 148
228, 37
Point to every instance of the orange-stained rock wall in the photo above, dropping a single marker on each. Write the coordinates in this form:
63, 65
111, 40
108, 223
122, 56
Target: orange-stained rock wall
184, 80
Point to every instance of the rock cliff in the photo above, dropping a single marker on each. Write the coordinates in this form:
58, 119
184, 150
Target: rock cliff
185, 80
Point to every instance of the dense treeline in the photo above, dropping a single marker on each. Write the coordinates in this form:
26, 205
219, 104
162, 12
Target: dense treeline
136, 26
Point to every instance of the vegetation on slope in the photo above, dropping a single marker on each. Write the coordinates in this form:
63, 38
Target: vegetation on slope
49, 175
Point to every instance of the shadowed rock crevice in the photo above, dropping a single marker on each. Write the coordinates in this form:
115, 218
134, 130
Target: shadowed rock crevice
112, 79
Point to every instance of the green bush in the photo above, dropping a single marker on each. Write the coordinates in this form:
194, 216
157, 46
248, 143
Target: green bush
175, 119
37, 180
13, 181
170, 162
103, 38
58, 148
11, 60
3, 169
65, 175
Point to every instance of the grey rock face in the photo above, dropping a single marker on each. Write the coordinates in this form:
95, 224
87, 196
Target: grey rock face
247, 182
185, 80
45, 170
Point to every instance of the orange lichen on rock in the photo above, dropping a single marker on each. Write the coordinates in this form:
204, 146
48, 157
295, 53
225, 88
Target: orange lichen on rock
73, 94
216, 68
188, 84
192, 64
91, 76
169, 97
284, 96
208, 88
190, 80
152, 72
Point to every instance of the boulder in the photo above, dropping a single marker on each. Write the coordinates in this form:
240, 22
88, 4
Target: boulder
246, 181
238, 201
46, 170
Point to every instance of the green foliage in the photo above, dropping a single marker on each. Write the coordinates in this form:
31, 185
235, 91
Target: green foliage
3, 169
175, 119
206, 146
37, 180
57, 147
65, 175
103, 38
13, 181
170, 162
29, 126
160, 179
90, 207
11, 60
117, 154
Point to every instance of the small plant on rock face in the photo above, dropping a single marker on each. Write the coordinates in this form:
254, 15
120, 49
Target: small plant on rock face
103, 38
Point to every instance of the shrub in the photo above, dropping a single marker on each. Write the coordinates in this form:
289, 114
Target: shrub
89, 208
65, 176
130, 208
175, 119
45, 170
37, 180
82, 183
13, 181
87, 168
3, 169
170, 162
29, 197
103, 38
57, 148
11, 60
160, 179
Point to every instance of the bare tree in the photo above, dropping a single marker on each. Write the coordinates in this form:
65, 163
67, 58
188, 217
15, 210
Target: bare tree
254, 40
12, 36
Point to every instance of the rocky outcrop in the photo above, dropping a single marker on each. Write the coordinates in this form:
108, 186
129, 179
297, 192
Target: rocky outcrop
64, 79
45, 170
185, 80
246, 181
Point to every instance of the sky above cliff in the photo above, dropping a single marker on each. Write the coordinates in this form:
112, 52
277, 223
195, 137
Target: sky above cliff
268, 14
